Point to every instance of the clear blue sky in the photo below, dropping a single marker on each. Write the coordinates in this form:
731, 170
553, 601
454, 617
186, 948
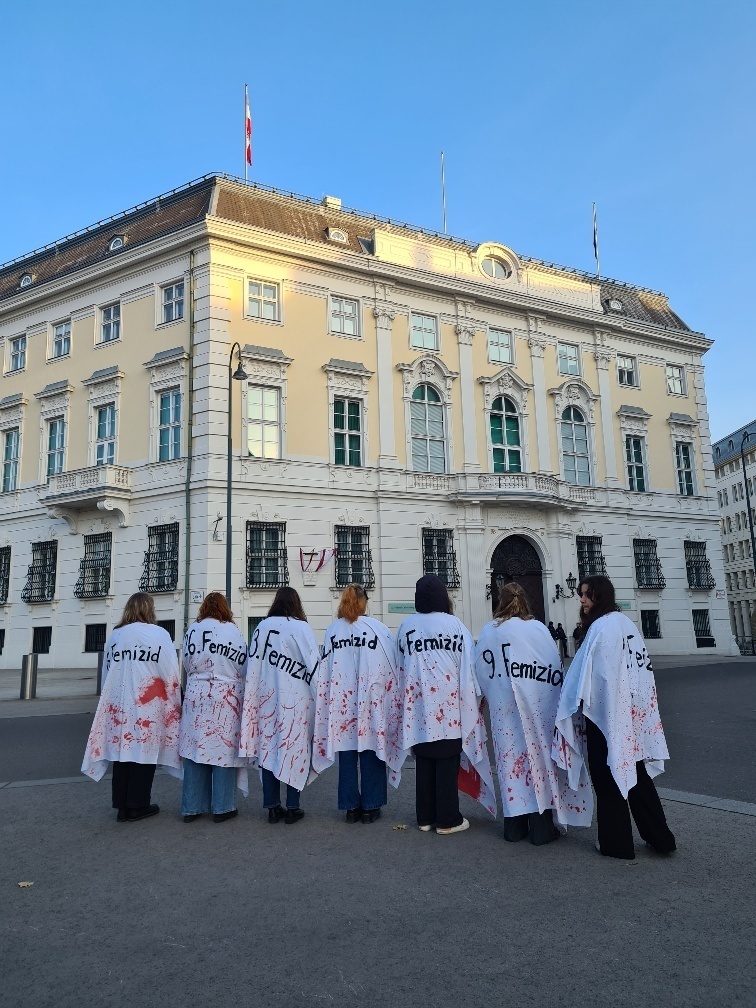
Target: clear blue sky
541, 107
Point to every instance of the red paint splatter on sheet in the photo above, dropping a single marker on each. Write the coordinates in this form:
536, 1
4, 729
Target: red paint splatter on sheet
154, 690
469, 782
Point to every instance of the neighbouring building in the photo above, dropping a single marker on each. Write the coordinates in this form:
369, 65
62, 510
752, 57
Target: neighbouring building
419, 402
735, 491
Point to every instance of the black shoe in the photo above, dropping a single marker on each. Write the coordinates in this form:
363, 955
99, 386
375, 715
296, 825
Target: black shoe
293, 815
370, 815
276, 814
135, 814
191, 818
656, 850
123, 815
222, 816
354, 815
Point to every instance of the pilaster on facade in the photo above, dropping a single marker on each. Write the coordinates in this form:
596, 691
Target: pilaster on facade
465, 330
604, 358
384, 316
537, 346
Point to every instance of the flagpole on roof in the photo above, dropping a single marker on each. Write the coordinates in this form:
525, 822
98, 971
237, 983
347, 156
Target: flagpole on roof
443, 189
595, 242
247, 133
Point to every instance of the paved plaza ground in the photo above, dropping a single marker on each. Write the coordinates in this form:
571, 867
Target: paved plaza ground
160, 913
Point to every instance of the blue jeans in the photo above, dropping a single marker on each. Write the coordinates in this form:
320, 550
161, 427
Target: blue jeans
207, 787
372, 778
272, 792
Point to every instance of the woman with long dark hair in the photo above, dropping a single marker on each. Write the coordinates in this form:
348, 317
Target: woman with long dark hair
356, 687
279, 704
609, 694
136, 725
520, 673
215, 660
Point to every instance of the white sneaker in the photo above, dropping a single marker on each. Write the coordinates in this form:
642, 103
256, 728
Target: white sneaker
442, 831
426, 829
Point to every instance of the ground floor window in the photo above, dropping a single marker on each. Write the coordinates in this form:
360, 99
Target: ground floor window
354, 562
160, 570
439, 557
95, 635
267, 565
169, 625
41, 639
702, 628
650, 625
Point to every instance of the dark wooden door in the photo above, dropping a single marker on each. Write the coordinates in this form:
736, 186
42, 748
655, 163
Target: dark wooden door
515, 559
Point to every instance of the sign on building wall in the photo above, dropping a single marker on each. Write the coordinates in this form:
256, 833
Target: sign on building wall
401, 607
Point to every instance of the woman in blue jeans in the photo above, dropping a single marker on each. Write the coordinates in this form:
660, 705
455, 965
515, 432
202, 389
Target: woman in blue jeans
215, 660
356, 680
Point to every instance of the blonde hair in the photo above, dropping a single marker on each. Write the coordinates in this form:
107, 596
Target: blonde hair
513, 601
353, 603
140, 608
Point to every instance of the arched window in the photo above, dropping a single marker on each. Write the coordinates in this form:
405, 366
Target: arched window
577, 467
427, 430
505, 436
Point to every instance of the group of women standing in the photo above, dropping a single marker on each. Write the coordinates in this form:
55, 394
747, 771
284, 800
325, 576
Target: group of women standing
367, 698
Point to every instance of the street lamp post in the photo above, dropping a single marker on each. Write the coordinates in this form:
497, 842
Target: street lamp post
238, 375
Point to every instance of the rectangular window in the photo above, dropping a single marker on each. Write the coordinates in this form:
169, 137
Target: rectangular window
698, 567
648, 570
169, 625
17, 361
94, 567
354, 562
2, 639
439, 557
56, 445
627, 371
160, 569
263, 301
636, 473
111, 323
40, 577
719, 497
569, 359
10, 459
650, 625
345, 316
500, 346
589, 556
173, 302
684, 465
347, 432
253, 622
61, 340
41, 639
675, 379
169, 425
267, 564
106, 432
95, 635
702, 628
5, 567
724, 494
263, 422
423, 332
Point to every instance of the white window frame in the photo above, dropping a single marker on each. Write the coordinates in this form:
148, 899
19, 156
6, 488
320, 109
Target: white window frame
643, 463
332, 298
109, 439
101, 341
347, 434
588, 453
171, 372
279, 300
162, 322
348, 380
53, 404
692, 469
58, 450
578, 361
436, 328
427, 438
491, 343
268, 368
64, 324
172, 391
9, 369
264, 424
633, 369
681, 377
505, 447
14, 462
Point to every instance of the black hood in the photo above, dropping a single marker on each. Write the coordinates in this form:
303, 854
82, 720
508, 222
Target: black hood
431, 595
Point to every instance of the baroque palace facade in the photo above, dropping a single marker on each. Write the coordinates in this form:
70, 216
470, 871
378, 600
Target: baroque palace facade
419, 402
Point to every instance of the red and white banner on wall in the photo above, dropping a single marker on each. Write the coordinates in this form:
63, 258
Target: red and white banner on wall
315, 560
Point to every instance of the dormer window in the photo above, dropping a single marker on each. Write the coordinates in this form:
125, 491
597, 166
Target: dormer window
115, 243
337, 235
496, 268
614, 305
25, 280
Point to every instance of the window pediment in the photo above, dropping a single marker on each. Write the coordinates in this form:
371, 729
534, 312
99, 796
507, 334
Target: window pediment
505, 383
573, 392
427, 369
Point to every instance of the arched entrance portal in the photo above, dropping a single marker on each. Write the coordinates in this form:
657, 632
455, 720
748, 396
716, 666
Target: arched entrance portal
515, 559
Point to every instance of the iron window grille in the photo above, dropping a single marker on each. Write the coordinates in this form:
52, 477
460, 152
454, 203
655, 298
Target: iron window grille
354, 561
5, 566
439, 557
169, 625
698, 567
94, 567
253, 622
95, 635
589, 556
40, 577
702, 628
2, 639
648, 571
41, 639
267, 561
650, 625
160, 571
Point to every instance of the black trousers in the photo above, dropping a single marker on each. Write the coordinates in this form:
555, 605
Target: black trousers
132, 785
436, 771
615, 830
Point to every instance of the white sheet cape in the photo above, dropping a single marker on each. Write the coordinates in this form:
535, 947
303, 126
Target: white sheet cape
520, 674
612, 680
279, 700
215, 661
438, 696
356, 687
138, 714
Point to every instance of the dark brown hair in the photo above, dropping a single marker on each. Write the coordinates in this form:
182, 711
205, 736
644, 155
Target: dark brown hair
287, 603
513, 601
215, 606
140, 608
601, 592
353, 603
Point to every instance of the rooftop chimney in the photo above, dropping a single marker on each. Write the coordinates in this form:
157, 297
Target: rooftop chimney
332, 203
